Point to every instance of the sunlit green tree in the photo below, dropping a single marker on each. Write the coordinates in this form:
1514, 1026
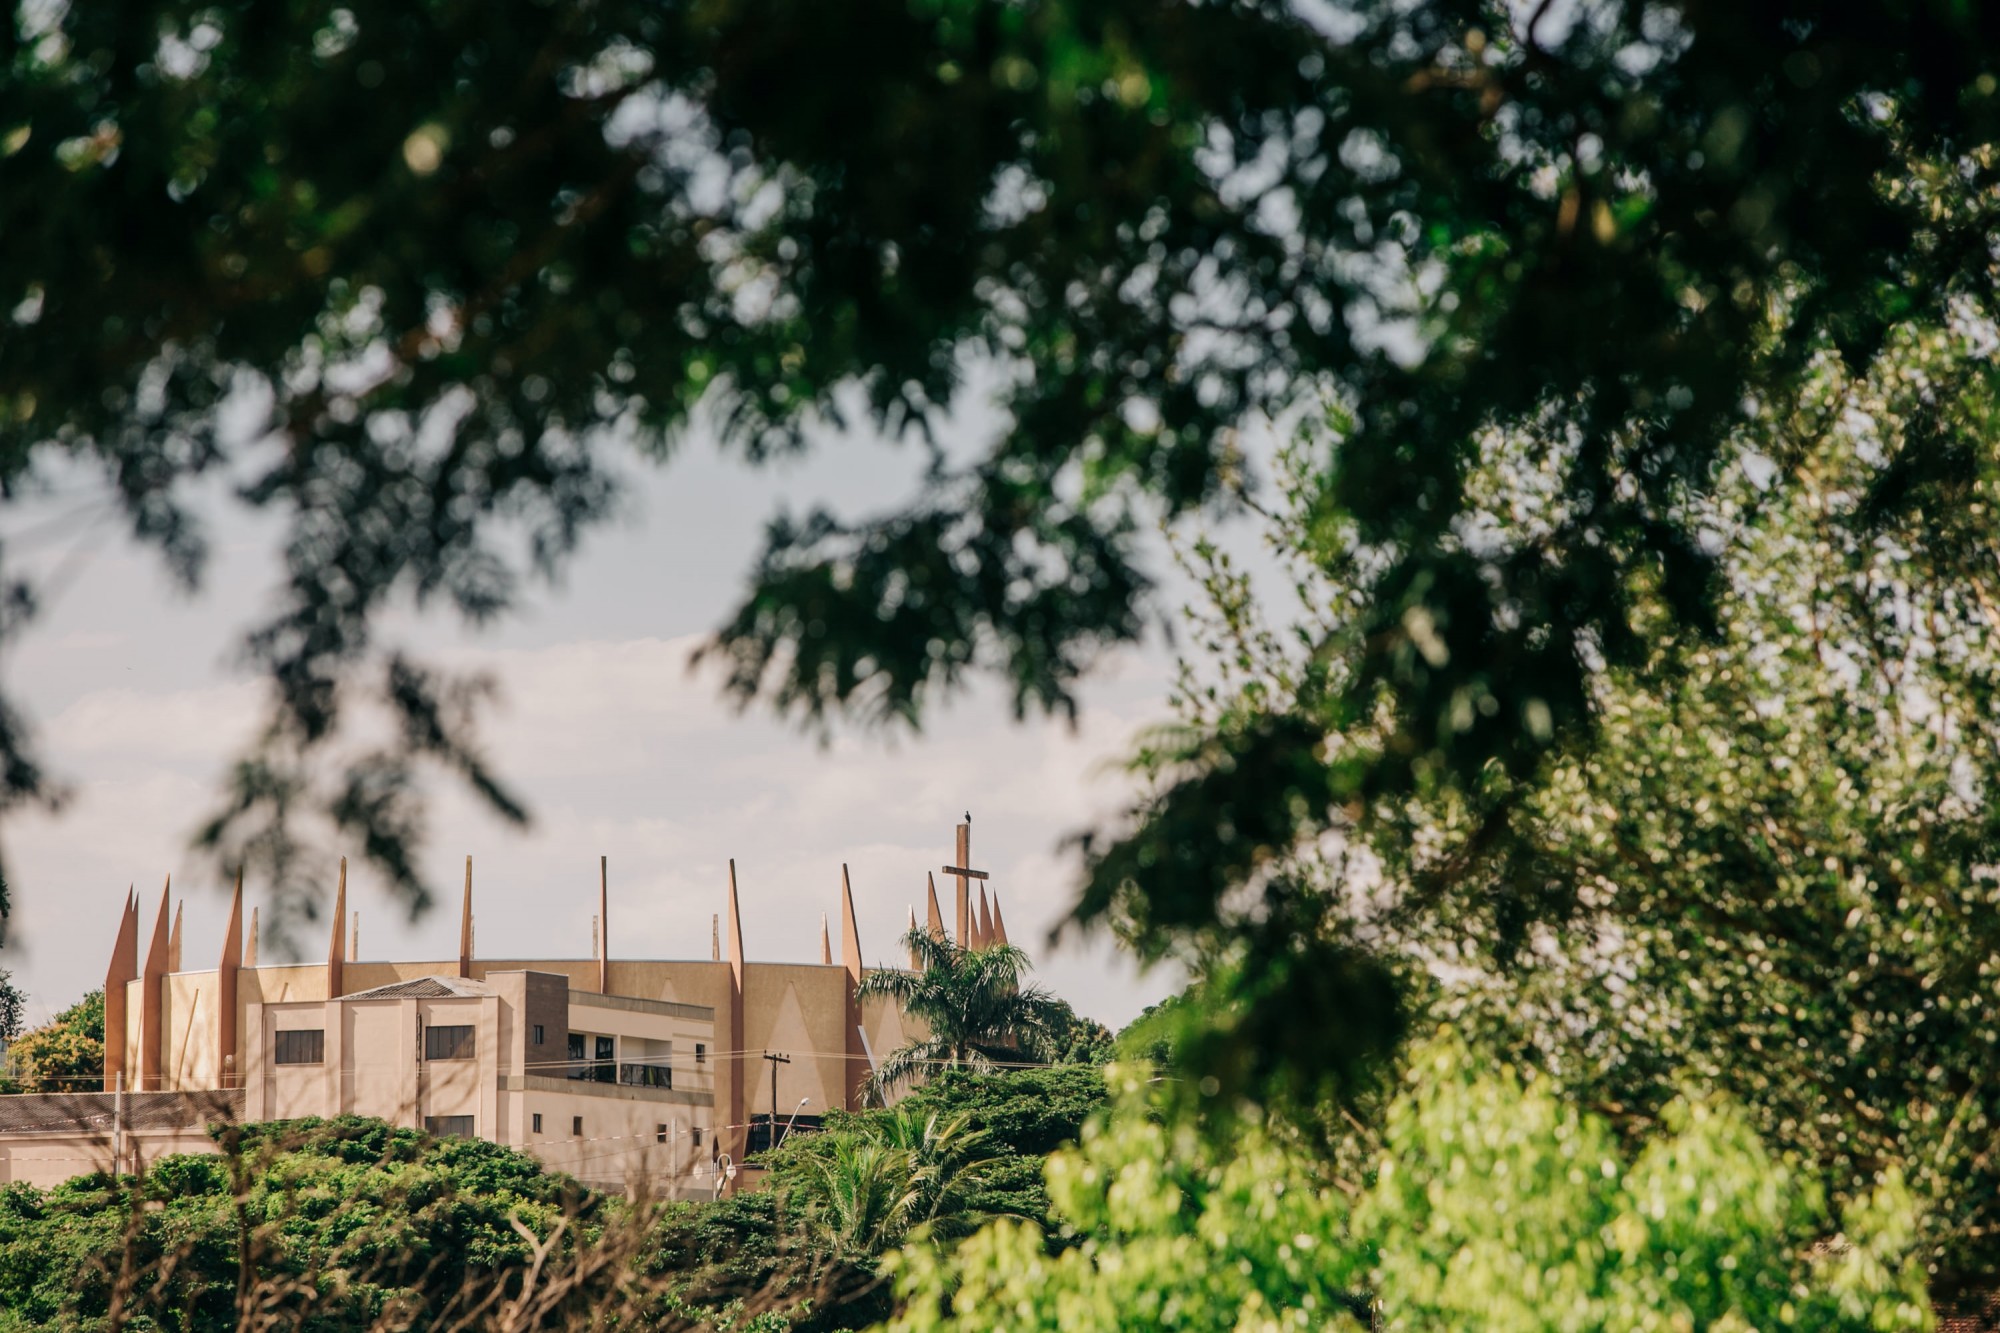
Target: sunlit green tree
972, 1005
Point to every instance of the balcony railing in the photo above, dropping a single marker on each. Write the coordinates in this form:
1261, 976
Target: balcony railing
646, 1075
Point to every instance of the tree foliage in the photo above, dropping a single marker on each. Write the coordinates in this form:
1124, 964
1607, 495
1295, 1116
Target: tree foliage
65, 1054
1494, 1205
400, 276
1769, 868
972, 1006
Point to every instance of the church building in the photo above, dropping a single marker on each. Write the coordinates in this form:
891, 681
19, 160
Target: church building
674, 1070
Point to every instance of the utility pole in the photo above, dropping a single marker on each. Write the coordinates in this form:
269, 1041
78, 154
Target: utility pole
775, 1060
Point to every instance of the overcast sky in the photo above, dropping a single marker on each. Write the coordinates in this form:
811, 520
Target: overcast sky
618, 751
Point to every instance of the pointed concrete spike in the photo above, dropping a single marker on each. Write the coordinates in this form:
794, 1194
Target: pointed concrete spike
465, 924
825, 942
984, 927
232, 932
250, 944
850, 931
174, 940
934, 918
999, 922
604, 929
735, 931
336, 953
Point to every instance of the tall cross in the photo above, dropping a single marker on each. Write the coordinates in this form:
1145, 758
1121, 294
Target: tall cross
966, 874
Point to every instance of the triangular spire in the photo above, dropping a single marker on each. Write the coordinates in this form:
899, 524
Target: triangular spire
984, 930
913, 930
232, 934
124, 968
226, 992
250, 942
850, 931
336, 952
465, 924
151, 1036
735, 931
604, 925
934, 919
174, 941
999, 922
160, 950
825, 942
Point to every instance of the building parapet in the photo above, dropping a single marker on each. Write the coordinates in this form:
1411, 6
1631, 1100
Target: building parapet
617, 1091
590, 999
100, 1112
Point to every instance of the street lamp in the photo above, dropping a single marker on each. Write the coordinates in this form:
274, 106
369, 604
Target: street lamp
795, 1118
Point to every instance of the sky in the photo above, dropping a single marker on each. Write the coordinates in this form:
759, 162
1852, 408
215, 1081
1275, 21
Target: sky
617, 748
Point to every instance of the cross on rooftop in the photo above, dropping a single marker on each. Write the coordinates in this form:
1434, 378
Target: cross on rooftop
965, 874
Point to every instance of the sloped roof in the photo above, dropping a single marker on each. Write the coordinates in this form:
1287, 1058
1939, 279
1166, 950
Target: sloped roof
423, 988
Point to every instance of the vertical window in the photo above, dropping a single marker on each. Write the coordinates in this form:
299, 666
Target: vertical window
606, 1062
540, 1035
536, 1126
697, 1136
305, 1046
701, 1053
577, 1069
659, 1133
448, 1043
576, 1125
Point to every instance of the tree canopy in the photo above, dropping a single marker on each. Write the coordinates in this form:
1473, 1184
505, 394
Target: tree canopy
1495, 1205
973, 1010
405, 277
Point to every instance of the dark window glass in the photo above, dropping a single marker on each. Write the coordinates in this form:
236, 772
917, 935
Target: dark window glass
448, 1043
700, 1053
537, 1118
660, 1133
461, 1125
606, 1070
578, 1068
540, 1036
305, 1046
576, 1125
697, 1136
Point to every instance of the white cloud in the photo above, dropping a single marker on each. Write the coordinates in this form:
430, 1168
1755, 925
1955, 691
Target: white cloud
619, 752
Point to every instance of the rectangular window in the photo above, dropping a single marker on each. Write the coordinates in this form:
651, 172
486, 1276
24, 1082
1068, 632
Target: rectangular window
697, 1136
540, 1036
659, 1133
306, 1046
537, 1125
460, 1125
448, 1043
700, 1053
576, 1125
606, 1066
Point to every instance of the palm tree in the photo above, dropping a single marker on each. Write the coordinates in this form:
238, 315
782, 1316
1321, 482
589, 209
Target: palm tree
972, 1003
860, 1193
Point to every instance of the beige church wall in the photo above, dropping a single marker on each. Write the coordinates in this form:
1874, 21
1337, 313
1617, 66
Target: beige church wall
378, 1058
281, 985
889, 1030
682, 981
296, 1090
134, 994
188, 1057
618, 1142
43, 1160
797, 1009
452, 1087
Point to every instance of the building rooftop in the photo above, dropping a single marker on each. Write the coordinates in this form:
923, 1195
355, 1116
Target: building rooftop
424, 988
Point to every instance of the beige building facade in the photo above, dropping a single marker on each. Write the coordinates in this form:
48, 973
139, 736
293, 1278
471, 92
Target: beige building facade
616, 1070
